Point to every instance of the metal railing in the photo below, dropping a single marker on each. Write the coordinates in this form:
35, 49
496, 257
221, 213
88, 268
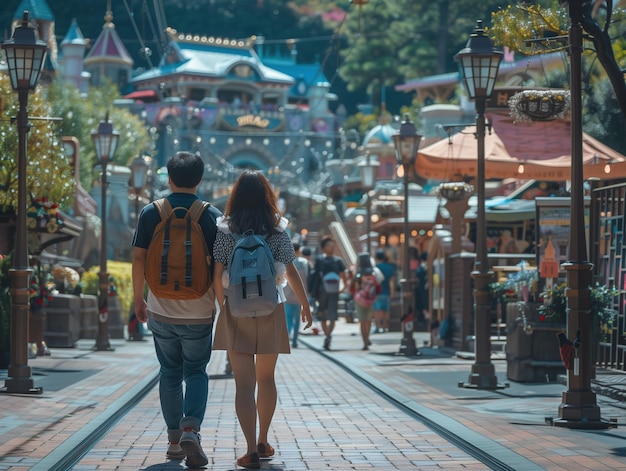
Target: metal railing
608, 254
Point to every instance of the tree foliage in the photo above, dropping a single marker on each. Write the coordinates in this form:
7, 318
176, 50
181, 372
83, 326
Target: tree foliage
516, 24
437, 31
391, 42
81, 116
48, 172
603, 23
370, 60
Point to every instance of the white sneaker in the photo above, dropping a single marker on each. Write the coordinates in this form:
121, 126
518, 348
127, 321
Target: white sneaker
190, 444
175, 452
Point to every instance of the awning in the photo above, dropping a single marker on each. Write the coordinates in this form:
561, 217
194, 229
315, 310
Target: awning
525, 150
142, 95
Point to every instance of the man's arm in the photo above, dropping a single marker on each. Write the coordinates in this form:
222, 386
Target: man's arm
139, 265
343, 275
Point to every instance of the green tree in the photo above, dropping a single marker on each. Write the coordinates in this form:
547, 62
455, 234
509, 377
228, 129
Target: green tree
550, 19
370, 59
438, 30
81, 116
388, 42
48, 173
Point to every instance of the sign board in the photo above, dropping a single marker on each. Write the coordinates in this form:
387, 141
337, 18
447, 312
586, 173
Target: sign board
553, 235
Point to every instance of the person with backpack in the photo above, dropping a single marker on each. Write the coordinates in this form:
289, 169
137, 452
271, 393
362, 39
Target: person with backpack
382, 306
292, 305
252, 336
365, 288
173, 245
330, 273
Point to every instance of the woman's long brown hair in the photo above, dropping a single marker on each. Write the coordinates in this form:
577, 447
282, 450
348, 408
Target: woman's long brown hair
252, 205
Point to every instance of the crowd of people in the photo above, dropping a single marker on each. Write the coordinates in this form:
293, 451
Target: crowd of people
182, 316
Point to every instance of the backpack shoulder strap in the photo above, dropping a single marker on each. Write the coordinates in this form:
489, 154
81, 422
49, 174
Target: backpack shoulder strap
197, 208
163, 207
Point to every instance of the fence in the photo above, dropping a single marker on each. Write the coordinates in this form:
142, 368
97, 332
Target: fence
608, 253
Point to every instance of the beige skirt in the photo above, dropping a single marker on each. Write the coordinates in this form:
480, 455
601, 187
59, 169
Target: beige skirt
265, 334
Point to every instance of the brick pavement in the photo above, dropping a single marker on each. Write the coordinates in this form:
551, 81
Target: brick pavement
81, 390
327, 417
508, 423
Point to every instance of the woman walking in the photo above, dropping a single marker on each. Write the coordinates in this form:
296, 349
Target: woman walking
253, 343
365, 289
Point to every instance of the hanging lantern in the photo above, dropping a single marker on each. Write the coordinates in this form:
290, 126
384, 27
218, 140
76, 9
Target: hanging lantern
539, 105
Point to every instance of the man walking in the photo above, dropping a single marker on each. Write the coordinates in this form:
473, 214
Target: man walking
382, 306
292, 305
181, 328
329, 270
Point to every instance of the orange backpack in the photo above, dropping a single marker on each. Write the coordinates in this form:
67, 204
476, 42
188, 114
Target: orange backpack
178, 263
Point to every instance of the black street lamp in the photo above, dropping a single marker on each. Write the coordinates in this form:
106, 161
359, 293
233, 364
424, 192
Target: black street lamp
368, 167
25, 56
578, 408
479, 62
138, 178
105, 142
406, 143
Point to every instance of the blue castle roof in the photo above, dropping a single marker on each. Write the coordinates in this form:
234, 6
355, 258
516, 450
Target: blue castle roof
37, 10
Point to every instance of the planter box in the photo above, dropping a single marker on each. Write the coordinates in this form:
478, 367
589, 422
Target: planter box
116, 324
88, 316
532, 354
62, 321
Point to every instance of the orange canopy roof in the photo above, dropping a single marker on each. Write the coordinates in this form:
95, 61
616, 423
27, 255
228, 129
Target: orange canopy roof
539, 150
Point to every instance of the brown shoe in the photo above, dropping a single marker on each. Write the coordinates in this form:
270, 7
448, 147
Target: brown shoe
265, 450
251, 460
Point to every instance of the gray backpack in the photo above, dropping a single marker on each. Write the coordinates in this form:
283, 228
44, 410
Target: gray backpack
251, 277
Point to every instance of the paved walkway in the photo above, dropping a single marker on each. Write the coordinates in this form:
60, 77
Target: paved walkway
328, 416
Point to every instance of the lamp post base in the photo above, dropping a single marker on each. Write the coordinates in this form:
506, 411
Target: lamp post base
19, 378
579, 410
102, 337
483, 377
407, 345
20, 386
580, 413
103, 347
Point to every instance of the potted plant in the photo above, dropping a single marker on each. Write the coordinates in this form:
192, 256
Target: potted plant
554, 307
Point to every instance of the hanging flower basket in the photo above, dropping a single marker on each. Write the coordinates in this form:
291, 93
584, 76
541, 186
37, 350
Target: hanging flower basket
539, 105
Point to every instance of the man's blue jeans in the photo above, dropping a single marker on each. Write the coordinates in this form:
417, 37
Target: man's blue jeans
183, 352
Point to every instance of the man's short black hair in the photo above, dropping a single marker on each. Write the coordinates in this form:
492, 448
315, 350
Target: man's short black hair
326, 240
380, 255
185, 169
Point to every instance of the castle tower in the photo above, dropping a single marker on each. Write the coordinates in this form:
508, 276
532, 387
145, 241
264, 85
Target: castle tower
109, 57
73, 49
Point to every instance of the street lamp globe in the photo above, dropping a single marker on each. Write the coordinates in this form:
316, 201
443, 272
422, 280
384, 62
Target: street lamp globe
25, 56
367, 168
406, 142
478, 63
138, 173
105, 141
